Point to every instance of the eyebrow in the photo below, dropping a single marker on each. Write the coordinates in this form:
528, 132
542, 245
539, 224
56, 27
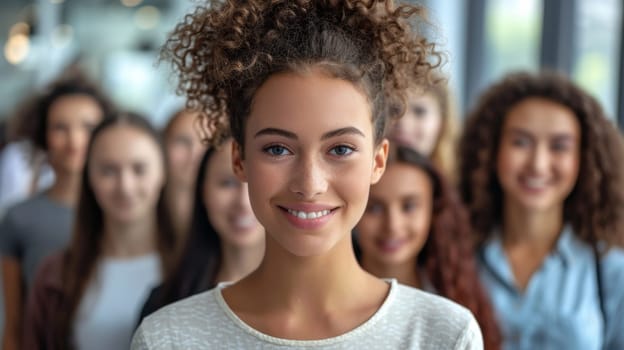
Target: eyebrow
291, 135
414, 197
520, 132
561, 136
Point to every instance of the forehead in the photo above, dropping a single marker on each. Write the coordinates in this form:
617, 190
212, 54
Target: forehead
541, 116
422, 97
183, 123
400, 180
74, 105
125, 143
308, 104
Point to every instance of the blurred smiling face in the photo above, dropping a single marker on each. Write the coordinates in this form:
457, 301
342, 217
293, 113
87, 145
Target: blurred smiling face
421, 125
70, 120
126, 173
539, 154
309, 159
184, 149
397, 220
227, 201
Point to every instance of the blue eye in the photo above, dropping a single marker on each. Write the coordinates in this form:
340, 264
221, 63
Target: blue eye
341, 150
277, 150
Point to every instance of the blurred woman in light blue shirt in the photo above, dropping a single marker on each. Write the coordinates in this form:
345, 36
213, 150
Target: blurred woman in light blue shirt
542, 174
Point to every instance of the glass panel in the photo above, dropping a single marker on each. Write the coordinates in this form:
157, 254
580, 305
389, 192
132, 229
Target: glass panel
598, 28
512, 36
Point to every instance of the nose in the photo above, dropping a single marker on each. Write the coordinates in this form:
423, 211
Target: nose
540, 159
242, 199
125, 182
77, 139
308, 179
394, 221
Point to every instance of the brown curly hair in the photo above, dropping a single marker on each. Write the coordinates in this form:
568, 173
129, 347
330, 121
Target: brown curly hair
595, 207
31, 118
225, 50
448, 256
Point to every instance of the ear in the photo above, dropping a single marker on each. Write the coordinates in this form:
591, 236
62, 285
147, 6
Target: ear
380, 160
238, 162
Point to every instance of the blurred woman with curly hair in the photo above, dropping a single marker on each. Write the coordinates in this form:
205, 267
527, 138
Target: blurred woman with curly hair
306, 89
416, 230
543, 176
430, 125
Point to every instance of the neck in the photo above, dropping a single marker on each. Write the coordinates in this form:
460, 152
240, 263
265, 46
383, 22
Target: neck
324, 282
65, 189
127, 240
239, 262
537, 228
405, 273
180, 203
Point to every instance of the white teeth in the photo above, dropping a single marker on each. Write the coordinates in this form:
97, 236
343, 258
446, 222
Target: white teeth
537, 183
392, 243
245, 221
307, 216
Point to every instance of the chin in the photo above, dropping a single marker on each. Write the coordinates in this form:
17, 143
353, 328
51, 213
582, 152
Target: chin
125, 218
307, 247
537, 204
391, 260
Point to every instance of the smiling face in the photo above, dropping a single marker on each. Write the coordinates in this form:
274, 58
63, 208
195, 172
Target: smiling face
539, 154
420, 127
397, 220
309, 159
227, 202
126, 172
71, 119
184, 149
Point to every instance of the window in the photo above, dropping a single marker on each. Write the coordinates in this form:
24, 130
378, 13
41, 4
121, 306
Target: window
512, 36
596, 56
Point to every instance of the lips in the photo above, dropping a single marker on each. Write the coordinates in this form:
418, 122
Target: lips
308, 216
391, 245
244, 222
534, 184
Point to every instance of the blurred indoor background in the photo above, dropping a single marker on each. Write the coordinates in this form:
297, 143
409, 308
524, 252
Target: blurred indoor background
117, 42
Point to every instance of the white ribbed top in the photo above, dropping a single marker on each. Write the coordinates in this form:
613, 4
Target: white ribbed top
408, 319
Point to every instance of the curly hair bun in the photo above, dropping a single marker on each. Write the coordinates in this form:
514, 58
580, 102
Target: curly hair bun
224, 51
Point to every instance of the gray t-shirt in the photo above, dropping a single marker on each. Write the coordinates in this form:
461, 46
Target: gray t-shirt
408, 319
34, 229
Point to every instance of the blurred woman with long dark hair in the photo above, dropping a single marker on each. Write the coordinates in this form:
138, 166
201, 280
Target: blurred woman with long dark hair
225, 241
123, 243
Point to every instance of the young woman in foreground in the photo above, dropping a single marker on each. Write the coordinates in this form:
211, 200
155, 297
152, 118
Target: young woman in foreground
305, 85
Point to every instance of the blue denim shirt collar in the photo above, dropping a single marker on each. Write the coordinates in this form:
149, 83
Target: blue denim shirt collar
496, 260
566, 247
